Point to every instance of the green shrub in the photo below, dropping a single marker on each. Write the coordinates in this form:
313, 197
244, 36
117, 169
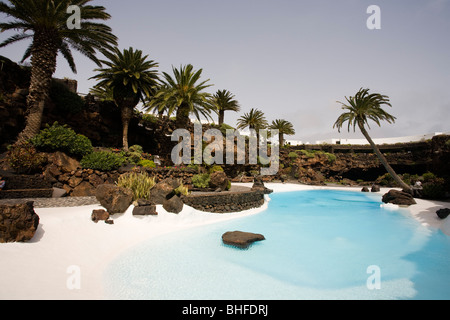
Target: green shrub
182, 189
215, 168
147, 163
150, 118
136, 148
293, 155
65, 100
429, 176
24, 158
331, 157
433, 191
201, 180
62, 138
307, 153
139, 183
102, 160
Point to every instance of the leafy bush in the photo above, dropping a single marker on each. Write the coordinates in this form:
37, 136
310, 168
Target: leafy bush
215, 168
139, 183
331, 157
307, 153
102, 160
433, 190
293, 155
62, 138
201, 180
182, 189
24, 158
65, 100
429, 176
147, 163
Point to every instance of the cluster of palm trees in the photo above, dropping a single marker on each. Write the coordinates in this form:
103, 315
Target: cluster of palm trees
128, 76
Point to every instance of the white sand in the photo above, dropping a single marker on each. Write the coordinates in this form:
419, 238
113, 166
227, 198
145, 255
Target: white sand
67, 238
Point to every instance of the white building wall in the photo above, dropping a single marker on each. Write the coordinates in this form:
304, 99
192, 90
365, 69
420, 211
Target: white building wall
383, 140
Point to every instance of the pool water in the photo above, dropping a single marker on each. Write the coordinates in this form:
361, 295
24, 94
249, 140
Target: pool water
320, 244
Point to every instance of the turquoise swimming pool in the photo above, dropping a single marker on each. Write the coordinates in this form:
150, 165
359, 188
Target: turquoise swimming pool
320, 244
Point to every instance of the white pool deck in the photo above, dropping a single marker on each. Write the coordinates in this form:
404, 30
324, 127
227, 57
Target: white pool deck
68, 254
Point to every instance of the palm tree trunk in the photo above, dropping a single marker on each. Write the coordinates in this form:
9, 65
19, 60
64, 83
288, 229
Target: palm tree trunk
383, 160
43, 66
182, 117
221, 116
127, 114
281, 139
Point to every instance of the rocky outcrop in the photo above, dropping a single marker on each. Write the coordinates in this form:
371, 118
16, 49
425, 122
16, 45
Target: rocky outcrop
218, 180
225, 202
173, 205
99, 215
398, 197
18, 222
161, 191
113, 198
258, 185
144, 208
241, 239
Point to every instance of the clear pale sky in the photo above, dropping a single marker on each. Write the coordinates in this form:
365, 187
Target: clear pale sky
294, 59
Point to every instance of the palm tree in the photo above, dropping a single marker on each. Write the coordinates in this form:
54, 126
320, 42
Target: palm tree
255, 120
360, 109
283, 127
131, 77
183, 95
223, 101
45, 22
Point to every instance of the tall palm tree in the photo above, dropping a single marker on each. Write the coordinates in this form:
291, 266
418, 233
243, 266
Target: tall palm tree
359, 110
45, 22
222, 101
255, 120
131, 77
283, 127
183, 94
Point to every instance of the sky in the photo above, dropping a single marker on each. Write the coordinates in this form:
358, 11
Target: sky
295, 59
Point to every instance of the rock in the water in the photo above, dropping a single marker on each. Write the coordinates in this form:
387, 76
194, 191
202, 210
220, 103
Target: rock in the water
398, 197
173, 205
365, 189
241, 239
114, 198
443, 213
18, 222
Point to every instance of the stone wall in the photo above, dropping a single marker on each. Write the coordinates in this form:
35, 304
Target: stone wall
225, 202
